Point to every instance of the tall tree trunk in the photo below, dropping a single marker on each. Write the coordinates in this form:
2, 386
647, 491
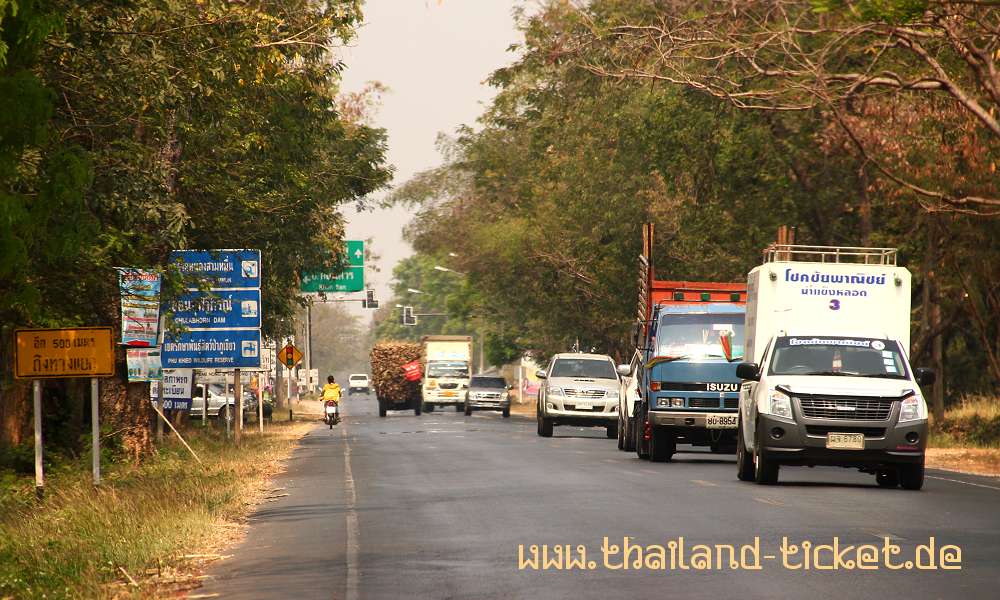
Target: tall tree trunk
127, 411
931, 314
865, 209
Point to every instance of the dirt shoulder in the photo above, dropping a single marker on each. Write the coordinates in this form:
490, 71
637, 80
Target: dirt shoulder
977, 461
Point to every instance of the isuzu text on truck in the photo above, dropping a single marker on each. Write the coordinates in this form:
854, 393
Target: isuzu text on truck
689, 333
828, 331
447, 370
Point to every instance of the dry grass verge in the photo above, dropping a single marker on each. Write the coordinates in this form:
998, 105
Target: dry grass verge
147, 530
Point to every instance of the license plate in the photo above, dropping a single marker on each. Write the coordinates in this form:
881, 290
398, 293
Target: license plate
721, 421
845, 441
583, 407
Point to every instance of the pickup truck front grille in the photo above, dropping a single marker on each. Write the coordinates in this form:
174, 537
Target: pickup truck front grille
846, 409
822, 430
579, 393
447, 386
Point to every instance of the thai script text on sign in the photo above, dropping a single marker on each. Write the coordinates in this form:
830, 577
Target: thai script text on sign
71, 352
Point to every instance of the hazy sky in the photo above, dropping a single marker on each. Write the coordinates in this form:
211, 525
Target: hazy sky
434, 56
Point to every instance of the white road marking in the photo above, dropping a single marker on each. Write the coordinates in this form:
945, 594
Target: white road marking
705, 483
770, 501
989, 487
353, 542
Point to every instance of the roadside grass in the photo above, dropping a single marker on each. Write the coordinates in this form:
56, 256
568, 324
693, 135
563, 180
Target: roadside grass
87, 542
973, 423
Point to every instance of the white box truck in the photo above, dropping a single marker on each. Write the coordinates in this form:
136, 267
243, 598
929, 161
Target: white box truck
827, 379
447, 361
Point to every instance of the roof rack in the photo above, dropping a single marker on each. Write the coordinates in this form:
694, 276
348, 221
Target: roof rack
829, 254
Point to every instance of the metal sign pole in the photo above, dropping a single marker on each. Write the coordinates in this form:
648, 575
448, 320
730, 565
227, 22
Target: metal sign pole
39, 473
95, 430
238, 393
204, 404
260, 406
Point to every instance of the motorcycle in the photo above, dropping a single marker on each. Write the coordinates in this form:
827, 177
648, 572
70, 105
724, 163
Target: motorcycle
331, 413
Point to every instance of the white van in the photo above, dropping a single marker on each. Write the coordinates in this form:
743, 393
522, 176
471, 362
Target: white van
828, 380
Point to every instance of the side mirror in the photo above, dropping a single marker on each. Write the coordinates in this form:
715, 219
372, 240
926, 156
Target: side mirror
748, 370
925, 376
510, 387
541, 374
624, 370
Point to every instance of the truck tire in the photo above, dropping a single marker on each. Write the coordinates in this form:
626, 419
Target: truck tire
458, 408
468, 409
887, 478
765, 470
544, 426
612, 430
911, 477
381, 408
641, 446
662, 445
744, 462
428, 408
630, 428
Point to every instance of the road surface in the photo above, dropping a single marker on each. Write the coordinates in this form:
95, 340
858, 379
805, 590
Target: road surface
437, 506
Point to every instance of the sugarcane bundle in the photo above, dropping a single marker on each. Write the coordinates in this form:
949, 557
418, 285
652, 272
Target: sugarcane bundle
388, 375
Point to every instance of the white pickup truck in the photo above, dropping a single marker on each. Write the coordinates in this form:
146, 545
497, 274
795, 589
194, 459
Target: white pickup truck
828, 380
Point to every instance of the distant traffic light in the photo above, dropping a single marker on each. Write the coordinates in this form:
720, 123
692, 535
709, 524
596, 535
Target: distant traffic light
408, 317
370, 301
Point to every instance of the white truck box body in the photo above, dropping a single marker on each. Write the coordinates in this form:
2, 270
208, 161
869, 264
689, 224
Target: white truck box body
448, 350
812, 298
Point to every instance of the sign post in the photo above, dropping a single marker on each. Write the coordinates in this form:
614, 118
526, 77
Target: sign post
62, 353
95, 431
238, 392
39, 472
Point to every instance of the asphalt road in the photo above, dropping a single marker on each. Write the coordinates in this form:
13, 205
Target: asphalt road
436, 507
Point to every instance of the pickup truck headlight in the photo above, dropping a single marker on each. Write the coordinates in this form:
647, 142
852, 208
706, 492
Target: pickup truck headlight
554, 391
778, 404
913, 408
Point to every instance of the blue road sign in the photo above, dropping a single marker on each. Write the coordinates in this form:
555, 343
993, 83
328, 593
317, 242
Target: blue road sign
221, 269
217, 309
213, 349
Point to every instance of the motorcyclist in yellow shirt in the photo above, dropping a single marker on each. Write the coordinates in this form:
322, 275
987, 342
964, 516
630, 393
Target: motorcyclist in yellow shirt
331, 401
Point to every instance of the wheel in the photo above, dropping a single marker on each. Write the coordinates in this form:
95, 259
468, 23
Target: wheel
428, 408
765, 470
621, 432
744, 462
630, 428
468, 409
911, 477
458, 408
330, 421
662, 445
381, 408
888, 478
642, 424
544, 425
506, 412
612, 430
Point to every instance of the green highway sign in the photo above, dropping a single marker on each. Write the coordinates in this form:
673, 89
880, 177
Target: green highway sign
351, 280
356, 253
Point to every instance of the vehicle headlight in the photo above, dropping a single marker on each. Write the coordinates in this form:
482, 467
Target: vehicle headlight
554, 391
663, 403
677, 402
778, 404
913, 408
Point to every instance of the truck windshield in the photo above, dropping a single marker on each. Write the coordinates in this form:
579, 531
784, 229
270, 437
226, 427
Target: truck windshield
448, 368
488, 382
699, 335
583, 367
831, 355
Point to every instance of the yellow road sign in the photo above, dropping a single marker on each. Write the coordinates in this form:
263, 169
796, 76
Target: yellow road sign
71, 352
289, 356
